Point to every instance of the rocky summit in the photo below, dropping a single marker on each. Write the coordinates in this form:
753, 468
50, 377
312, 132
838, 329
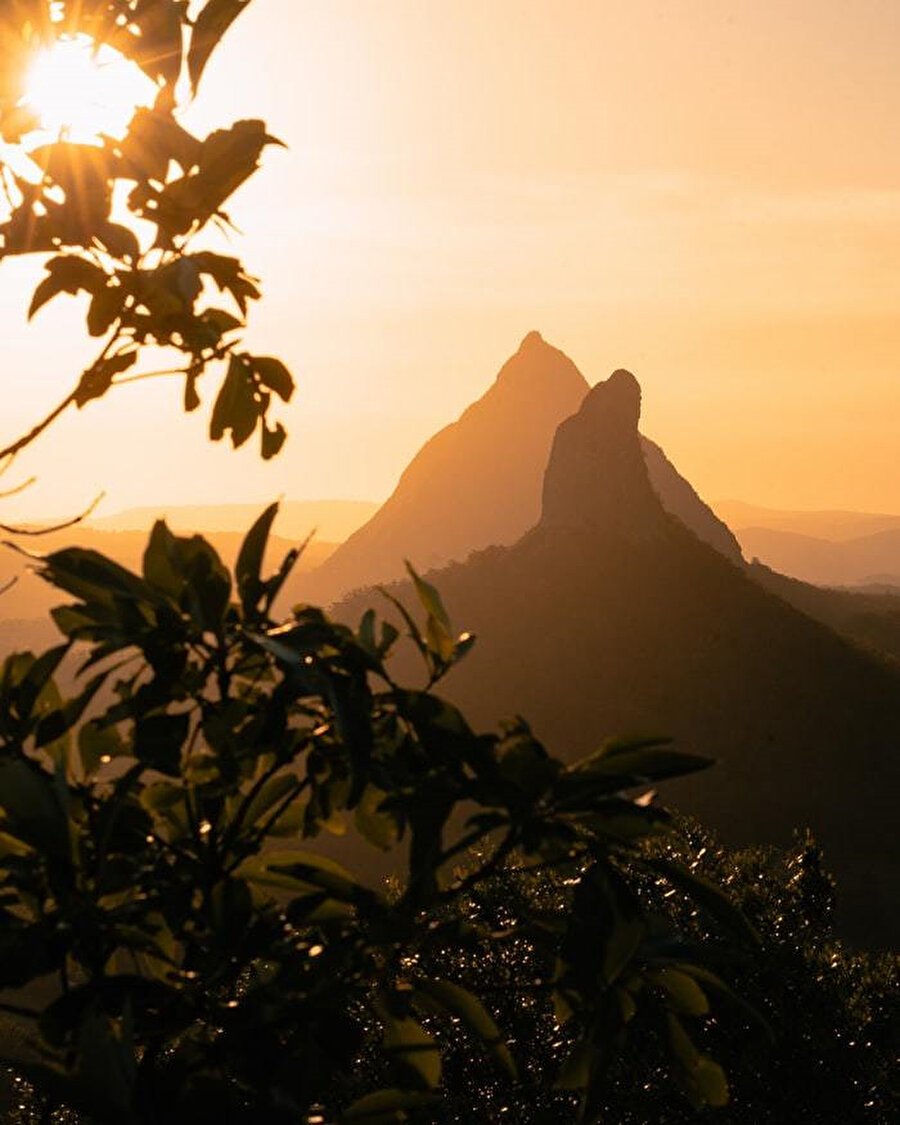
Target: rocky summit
480, 481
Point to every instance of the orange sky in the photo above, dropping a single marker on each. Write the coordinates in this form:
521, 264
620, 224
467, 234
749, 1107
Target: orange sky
706, 193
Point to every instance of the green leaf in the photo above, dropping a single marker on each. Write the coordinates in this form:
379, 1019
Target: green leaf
437, 625
575, 1072
703, 1079
302, 871
429, 597
711, 1083
379, 827
684, 993
707, 895
409, 1044
385, 1107
637, 763
97, 745
712, 980
54, 725
28, 679
470, 1010
271, 794
187, 569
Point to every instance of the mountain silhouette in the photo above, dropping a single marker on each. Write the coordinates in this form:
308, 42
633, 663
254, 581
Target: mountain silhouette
478, 482
611, 618
860, 561
679, 499
835, 525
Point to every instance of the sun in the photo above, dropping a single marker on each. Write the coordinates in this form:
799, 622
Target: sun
83, 93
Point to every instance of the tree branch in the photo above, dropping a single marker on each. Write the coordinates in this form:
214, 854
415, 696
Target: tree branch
36, 431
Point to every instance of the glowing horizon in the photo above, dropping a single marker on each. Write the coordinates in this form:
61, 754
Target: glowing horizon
706, 198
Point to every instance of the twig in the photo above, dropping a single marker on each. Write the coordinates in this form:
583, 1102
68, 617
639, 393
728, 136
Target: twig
11, 530
151, 375
19, 487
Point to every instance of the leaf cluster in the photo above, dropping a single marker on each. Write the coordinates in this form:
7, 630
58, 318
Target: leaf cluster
166, 871
820, 1038
118, 219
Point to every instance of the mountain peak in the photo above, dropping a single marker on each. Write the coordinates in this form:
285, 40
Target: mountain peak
539, 368
597, 475
617, 401
473, 484
533, 340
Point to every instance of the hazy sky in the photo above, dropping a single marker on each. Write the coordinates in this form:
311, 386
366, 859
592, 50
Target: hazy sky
707, 193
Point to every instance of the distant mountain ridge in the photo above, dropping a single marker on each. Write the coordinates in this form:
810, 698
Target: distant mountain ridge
332, 520
859, 561
831, 524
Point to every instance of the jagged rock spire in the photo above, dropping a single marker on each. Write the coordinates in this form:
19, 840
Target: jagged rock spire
597, 476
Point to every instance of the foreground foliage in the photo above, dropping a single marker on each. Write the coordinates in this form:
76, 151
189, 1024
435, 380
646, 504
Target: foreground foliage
818, 1041
180, 951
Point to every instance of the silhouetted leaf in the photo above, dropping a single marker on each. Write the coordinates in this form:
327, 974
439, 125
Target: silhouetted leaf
629, 764
158, 740
119, 240
104, 308
236, 408
684, 993
67, 274
470, 1010
377, 825
386, 1107
707, 895
55, 725
210, 25
250, 558
408, 1043
274, 375
272, 440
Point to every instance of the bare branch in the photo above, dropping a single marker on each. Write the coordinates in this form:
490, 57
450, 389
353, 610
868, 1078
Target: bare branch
34, 531
151, 375
19, 487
